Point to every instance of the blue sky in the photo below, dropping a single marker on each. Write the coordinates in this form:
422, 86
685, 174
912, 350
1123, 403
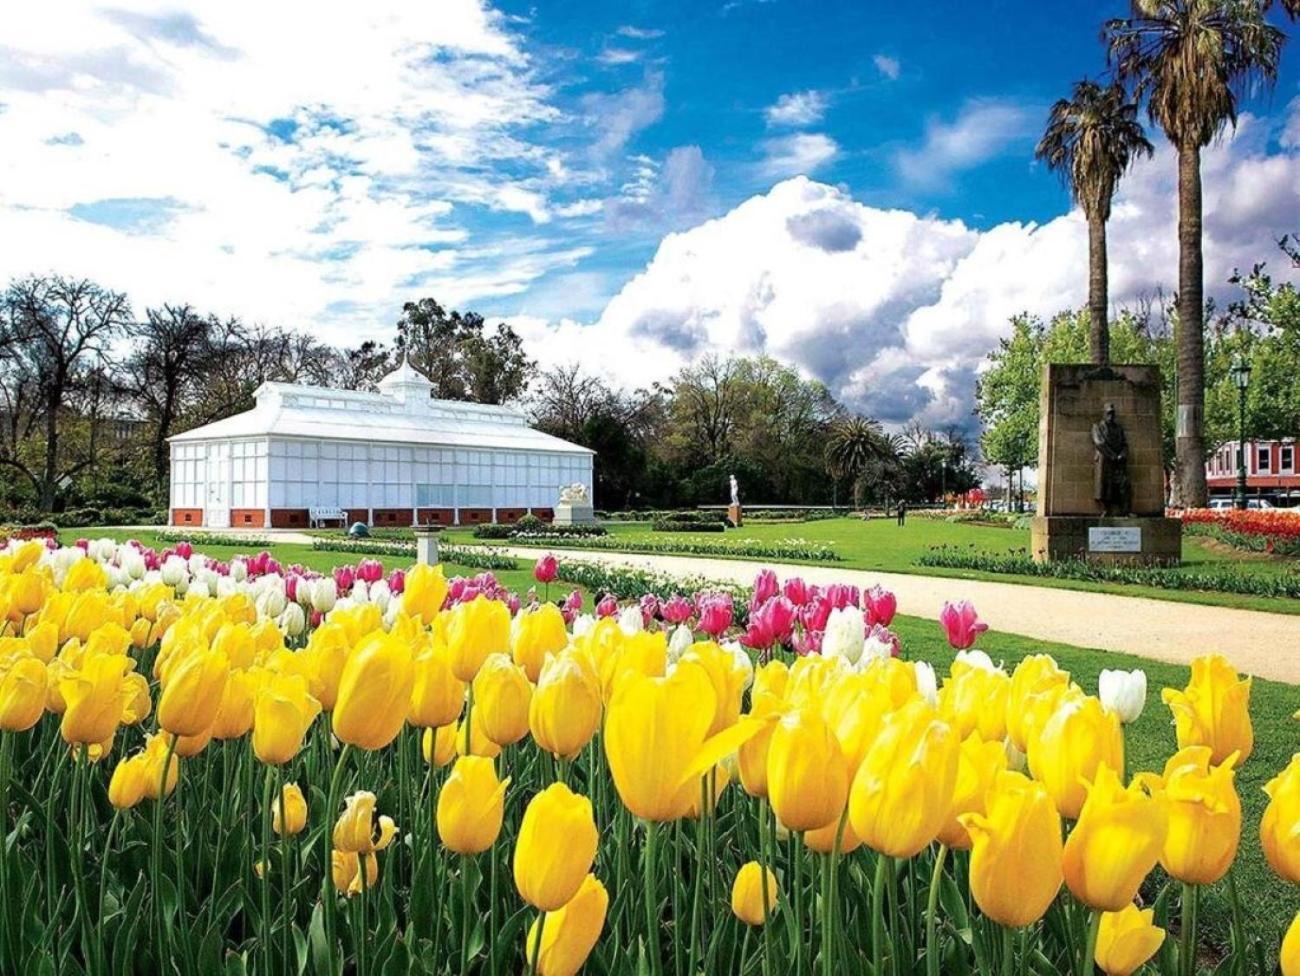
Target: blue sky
846, 186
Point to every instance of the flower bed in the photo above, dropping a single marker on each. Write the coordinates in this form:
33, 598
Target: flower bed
167, 715
1019, 562
734, 548
476, 557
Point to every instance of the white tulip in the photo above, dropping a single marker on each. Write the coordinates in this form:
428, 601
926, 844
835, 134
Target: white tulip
360, 593
583, 624
117, 577
630, 620
271, 603
844, 635
324, 594
238, 570
380, 595
679, 642
131, 561
174, 570
1124, 693
226, 586
293, 621
976, 658
926, 682
743, 661
198, 587
873, 648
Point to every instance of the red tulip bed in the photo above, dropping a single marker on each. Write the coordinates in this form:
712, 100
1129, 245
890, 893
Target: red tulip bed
1260, 530
244, 767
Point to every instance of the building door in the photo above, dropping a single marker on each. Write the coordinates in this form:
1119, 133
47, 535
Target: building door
216, 512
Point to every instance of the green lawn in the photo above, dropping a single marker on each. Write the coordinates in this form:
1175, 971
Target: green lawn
882, 545
1151, 740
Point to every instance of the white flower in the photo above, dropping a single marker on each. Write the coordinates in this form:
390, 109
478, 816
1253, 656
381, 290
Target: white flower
743, 661
630, 620
198, 587
380, 595
116, 576
1124, 693
271, 602
238, 570
226, 586
976, 658
583, 625
926, 682
360, 593
324, 594
873, 648
679, 642
174, 570
293, 621
845, 633
102, 549
197, 563
132, 563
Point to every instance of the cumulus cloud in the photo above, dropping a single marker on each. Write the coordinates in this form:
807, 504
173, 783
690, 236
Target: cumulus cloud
796, 109
798, 154
896, 311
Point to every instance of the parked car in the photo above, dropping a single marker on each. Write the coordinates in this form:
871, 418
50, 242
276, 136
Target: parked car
1224, 504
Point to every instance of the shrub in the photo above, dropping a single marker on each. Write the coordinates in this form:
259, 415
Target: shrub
799, 549
205, 540
537, 529
475, 557
666, 525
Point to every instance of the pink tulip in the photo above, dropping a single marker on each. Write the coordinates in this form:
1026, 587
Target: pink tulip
607, 607
961, 624
344, 578
842, 595
808, 642
649, 608
370, 570
291, 588
512, 603
796, 591
184, 550
715, 615
84, 546
766, 586
397, 581
547, 568
573, 602
316, 618
676, 609
814, 614
770, 624
273, 568
881, 605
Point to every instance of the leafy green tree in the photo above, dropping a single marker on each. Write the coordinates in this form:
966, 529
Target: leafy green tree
1092, 138
853, 444
1190, 60
460, 356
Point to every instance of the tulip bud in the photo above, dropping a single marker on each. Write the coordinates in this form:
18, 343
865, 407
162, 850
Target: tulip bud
747, 894
1126, 940
345, 870
355, 831
535, 634
1291, 949
437, 695
475, 630
294, 805
1204, 815
502, 696
439, 745
555, 848
1123, 692
1115, 844
1077, 740
1279, 830
374, 692
571, 932
282, 714
807, 775
565, 709
22, 692
1213, 710
471, 805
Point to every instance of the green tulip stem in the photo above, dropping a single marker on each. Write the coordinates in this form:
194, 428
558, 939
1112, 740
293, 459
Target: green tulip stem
1008, 946
361, 938
534, 960
651, 931
1238, 924
830, 906
878, 916
100, 960
466, 910
701, 858
285, 880
7, 740
469, 717
1187, 958
264, 815
1090, 947
931, 913
327, 861
765, 855
164, 940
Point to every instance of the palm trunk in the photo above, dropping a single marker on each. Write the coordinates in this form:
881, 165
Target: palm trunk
1189, 425
1098, 292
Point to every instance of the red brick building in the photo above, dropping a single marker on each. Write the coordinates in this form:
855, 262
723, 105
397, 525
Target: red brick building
1272, 471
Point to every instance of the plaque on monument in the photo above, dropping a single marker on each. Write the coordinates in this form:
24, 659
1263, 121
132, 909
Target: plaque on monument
574, 507
1100, 467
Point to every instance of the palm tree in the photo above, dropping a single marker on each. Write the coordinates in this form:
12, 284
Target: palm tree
1091, 138
1191, 60
853, 444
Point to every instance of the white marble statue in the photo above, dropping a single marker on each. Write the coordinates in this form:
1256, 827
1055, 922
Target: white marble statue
574, 494
735, 491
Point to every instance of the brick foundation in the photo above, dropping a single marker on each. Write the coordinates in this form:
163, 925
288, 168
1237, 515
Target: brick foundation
435, 516
253, 518
357, 515
545, 514
508, 515
187, 516
393, 516
475, 516
290, 518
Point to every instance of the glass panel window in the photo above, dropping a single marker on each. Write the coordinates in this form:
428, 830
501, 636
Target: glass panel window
1288, 458
1263, 458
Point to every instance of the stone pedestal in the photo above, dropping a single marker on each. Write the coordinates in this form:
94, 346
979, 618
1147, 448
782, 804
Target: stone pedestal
735, 516
574, 513
1070, 522
426, 546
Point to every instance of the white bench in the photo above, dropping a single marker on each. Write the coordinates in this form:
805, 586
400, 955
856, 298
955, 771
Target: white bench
318, 515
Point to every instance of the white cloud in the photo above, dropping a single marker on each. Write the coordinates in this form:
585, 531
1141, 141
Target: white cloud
797, 109
896, 311
984, 128
639, 33
618, 117
618, 55
798, 154
887, 66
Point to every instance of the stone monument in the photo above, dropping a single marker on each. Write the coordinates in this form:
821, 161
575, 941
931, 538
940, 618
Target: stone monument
574, 507
734, 514
1101, 486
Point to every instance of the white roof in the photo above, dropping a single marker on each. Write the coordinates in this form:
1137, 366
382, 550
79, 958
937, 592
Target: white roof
401, 413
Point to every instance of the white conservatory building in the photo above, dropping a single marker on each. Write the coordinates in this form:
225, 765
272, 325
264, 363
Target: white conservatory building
396, 457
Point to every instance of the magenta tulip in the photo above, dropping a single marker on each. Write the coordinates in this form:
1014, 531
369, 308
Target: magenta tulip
715, 615
607, 607
961, 624
796, 591
881, 605
766, 586
547, 568
676, 609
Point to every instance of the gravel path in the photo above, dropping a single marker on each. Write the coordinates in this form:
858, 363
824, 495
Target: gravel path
1258, 643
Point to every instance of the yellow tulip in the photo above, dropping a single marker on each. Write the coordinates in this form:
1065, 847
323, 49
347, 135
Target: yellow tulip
1213, 710
355, 831
152, 758
479, 743
807, 776
1291, 948
437, 696
822, 840
903, 790
192, 690
471, 805
657, 743
644, 653
974, 699
570, 933
475, 630
555, 848
326, 653
374, 692
747, 894
94, 696
85, 574
439, 745
1115, 844
27, 554
766, 702
978, 766
1279, 830
188, 746
43, 641
22, 692
283, 713
1204, 815
1037, 685
129, 783
502, 696
235, 715
1015, 863
139, 704
565, 709
728, 680
535, 634
345, 870
235, 640
295, 812
1077, 740
856, 705
357, 621
1126, 940
26, 592
425, 592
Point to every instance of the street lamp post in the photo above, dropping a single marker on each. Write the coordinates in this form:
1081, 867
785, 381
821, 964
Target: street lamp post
1240, 372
